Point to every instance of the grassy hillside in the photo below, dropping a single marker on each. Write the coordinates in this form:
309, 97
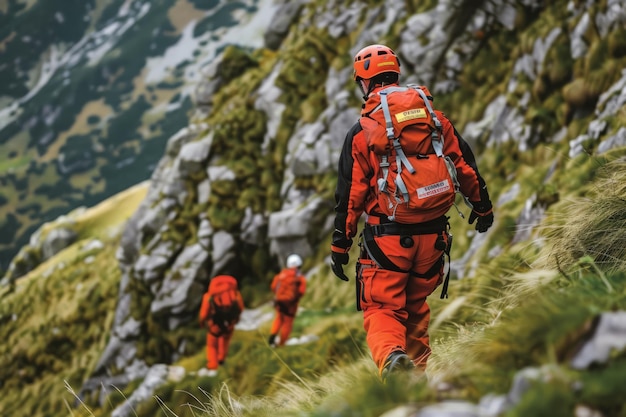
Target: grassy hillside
53, 319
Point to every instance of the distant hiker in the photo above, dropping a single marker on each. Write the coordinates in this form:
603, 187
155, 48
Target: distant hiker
406, 232
288, 286
221, 308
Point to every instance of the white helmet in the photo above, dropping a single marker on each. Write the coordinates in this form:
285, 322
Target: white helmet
294, 261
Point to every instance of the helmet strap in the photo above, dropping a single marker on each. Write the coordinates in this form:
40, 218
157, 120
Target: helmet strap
366, 87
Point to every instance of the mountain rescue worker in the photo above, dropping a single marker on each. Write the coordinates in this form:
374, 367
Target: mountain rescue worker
401, 262
288, 286
220, 311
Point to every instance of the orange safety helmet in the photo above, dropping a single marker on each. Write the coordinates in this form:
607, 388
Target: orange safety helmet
373, 60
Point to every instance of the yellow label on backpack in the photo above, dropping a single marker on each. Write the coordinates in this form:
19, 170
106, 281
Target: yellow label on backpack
411, 114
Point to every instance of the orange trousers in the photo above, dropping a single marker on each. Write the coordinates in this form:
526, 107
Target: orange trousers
216, 349
283, 322
395, 312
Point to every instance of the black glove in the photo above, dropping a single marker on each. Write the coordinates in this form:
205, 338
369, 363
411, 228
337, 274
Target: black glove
338, 259
484, 213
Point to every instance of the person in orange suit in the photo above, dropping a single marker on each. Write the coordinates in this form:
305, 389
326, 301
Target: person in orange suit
220, 311
288, 286
401, 262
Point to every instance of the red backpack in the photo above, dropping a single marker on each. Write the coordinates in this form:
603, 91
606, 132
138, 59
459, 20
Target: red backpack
287, 286
416, 181
225, 308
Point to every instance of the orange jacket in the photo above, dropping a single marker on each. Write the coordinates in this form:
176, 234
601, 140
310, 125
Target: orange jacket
286, 274
358, 166
217, 285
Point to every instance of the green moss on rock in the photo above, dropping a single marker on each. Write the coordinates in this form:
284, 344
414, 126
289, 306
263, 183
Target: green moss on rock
225, 216
235, 62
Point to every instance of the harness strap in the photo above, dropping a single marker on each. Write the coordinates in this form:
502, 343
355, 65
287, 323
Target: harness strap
430, 227
392, 229
444, 286
376, 254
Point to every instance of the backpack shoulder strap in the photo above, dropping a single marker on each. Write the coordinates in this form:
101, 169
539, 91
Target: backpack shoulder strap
436, 140
385, 106
438, 147
401, 159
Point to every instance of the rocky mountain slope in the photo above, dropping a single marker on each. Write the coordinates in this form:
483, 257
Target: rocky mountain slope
251, 180
537, 89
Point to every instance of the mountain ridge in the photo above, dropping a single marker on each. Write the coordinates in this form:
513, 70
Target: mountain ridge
100, 89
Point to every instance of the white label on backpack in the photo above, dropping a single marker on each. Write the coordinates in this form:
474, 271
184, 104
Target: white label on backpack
433, 189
